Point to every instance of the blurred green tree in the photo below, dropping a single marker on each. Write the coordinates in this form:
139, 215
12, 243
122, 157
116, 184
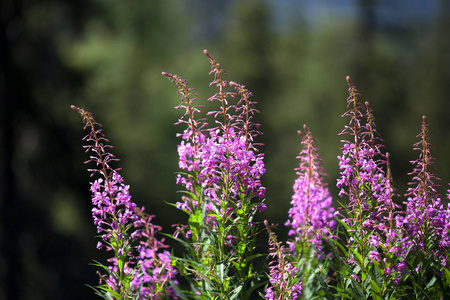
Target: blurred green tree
42, 254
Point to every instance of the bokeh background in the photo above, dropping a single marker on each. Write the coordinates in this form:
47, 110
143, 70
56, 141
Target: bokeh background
107, 57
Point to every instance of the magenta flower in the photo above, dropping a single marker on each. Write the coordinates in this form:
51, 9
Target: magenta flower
142, 269
426, 221
221, 170
370, 213
362, 178
155, 268
222, 161
284, 279
311, 213
113, 209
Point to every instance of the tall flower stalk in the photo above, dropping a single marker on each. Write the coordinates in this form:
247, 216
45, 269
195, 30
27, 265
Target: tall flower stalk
221, 171
140, 268
285, 282
311, 214
365, 246
293, 271
426, 224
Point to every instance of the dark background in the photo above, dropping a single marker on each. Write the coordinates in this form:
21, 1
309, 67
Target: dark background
107, 57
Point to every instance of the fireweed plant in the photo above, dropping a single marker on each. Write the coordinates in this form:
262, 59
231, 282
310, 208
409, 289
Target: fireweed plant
310, 218
140, 267
221, 178
381, 250
376, 245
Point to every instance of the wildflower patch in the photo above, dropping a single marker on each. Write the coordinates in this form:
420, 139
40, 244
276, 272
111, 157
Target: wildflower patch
376, 245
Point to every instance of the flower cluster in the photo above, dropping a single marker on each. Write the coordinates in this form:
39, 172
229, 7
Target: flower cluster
362, 178
223, 161
218, 155
224, 155
155, 268
371, 211
284, 281
113, 209
221, 170
426, 221
375, 248
311, 213
402, 246
138, 269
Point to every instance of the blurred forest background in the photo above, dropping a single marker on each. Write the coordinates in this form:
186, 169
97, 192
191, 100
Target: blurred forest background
107, 57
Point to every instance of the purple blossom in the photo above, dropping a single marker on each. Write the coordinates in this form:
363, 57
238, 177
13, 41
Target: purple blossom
426, 221
374, 255
155, 268
355, 277
113, 209
115, 215
220, 172
423, 178
376, 225
363, 179
375, 240
351, 261
284, 280
223, 161
311, 213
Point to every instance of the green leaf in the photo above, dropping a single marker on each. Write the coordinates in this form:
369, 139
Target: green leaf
343, 224
378, 271
447, 276
376, 291
108, 292
431, 282
356, 290
220, 269
177, 290
358, 257
235, 294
